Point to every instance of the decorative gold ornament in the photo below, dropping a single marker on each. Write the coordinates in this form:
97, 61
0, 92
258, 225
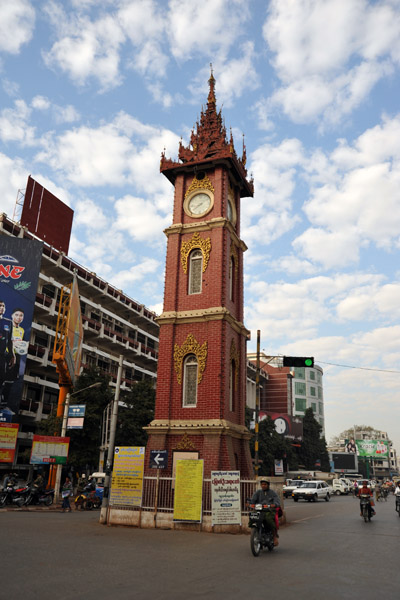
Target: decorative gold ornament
196, 242
190, 346
185, 444
234, 255
200, 184
234, 356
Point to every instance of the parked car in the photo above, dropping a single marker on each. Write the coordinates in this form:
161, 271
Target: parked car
290, 485
312, 490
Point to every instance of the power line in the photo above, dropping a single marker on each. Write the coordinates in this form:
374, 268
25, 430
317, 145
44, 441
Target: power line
360, 368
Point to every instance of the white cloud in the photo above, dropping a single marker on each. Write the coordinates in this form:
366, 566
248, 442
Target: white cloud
90, 214
13, 176
141, 219
206, 27
17, 23
328, 54
136, 273
86, 49
14, 125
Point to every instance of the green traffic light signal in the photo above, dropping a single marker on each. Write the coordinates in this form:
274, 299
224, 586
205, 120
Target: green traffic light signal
298, 361
308, 362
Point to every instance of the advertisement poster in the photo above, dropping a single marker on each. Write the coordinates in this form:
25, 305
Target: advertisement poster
8, 441
73, 348
20, 261
279, 466
225, 498
76, 416
188, 497
47, 449
127, 476
372, 449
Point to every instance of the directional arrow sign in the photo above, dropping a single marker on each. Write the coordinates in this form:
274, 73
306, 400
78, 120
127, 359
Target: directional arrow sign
158, 459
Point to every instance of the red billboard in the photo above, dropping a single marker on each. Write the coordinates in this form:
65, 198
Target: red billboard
46, 216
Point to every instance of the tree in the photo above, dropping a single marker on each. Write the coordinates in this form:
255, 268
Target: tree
272, 446
313, 448
136, 412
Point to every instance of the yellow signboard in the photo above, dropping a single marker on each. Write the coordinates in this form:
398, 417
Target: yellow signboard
188, 490
127, 476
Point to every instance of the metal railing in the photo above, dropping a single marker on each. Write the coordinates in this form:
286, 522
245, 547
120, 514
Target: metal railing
158, 495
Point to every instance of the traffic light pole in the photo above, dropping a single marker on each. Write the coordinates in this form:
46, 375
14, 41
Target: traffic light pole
256, 458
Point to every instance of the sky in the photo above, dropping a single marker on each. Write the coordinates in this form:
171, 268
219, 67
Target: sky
92, 91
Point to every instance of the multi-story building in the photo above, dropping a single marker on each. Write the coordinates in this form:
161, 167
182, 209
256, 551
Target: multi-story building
114, 324
290, 391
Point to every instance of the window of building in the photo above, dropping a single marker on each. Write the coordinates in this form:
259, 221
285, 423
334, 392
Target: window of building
195, 271
300, 373
319, 377
313, 391
312, 375
41, 339
190, 367
320, 393
231, 277
232, 379
141, 338
300, 404
321, 408
49, 290
314, 407
300, 388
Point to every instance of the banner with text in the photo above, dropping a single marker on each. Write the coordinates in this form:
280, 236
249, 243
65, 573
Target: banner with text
8, 441
188, 497
47, 449
372, 449
20, 261
127, 476
225, 498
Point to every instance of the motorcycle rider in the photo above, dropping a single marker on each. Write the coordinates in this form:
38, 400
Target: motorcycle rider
267, 496
397, 492
365, 490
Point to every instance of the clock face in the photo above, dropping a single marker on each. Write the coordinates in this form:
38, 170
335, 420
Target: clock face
199, 203
280, 425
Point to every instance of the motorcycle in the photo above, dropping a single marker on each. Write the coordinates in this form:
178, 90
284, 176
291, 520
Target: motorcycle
88, 499
20, 495
7, 495
40, 496
260, 537
366, 508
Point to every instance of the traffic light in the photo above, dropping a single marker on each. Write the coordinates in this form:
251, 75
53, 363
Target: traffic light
298, 361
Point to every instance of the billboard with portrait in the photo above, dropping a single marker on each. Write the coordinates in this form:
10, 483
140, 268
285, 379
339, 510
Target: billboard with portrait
20, 261
372, 449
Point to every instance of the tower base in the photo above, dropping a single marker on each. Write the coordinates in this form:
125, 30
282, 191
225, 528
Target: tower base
223, 446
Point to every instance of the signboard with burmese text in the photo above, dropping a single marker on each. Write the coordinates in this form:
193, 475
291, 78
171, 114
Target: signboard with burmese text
188, 497
127, 476
225, 498
8, 441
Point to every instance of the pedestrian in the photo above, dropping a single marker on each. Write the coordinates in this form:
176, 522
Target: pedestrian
66, 493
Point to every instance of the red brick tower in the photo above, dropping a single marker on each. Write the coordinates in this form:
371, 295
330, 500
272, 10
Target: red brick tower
201, 382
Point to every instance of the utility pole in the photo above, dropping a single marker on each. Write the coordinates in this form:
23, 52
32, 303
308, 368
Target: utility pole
256, 459
110, 453
64, 431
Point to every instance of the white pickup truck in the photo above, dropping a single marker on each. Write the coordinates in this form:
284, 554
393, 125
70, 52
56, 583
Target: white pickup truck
340, 486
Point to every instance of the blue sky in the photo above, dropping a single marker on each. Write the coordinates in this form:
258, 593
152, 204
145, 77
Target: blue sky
92, 91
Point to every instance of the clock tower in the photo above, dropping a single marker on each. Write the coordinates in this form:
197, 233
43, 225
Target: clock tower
201, 380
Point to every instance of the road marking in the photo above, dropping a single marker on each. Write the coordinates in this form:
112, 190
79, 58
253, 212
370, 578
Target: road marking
307, 518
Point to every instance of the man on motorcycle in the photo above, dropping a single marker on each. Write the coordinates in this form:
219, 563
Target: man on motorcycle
365, 490
267, 496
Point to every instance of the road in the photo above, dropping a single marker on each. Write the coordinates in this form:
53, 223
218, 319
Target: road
326, 552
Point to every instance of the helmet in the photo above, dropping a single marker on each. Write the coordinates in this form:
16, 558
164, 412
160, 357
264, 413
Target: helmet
264, 481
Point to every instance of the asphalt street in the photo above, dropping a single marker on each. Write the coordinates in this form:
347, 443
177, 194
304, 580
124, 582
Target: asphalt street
326, 552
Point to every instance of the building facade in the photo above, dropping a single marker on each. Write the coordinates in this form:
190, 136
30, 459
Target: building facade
113, 324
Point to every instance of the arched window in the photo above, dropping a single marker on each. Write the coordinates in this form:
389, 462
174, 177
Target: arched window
231, 277
190, 368
232, 383
195, 271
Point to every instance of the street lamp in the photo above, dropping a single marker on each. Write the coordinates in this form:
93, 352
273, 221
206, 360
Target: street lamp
64, 429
